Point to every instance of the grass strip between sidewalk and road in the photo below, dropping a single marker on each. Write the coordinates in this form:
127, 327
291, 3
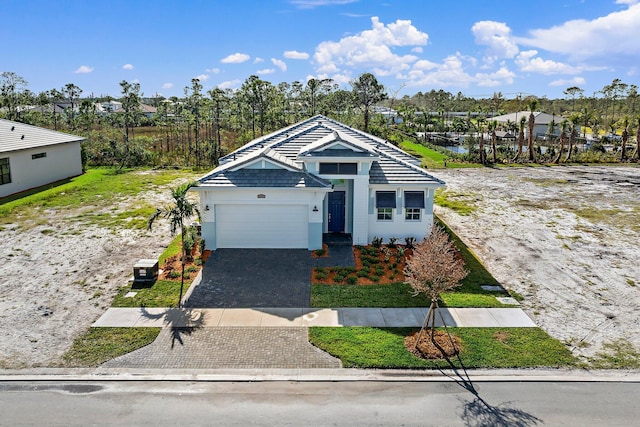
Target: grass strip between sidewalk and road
99, 345
367, 347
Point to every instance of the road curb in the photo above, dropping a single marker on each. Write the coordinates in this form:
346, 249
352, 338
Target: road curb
317, 375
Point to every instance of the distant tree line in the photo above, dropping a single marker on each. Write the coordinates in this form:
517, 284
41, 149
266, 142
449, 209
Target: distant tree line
200, 127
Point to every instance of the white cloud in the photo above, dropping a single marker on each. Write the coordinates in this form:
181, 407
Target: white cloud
501, 77
213, 70
311, 4
576, 81
371, 48
230, 84
613, 35
294, 54
279, 63
417, 49
127, 67
203, 77
529, 62
338, 78
497, 37
266, 71
258, 60
167, 86
83, 69
236, 58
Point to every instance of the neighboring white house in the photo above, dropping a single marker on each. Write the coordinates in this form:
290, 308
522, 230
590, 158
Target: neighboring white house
285, 189
541, 122
31, 156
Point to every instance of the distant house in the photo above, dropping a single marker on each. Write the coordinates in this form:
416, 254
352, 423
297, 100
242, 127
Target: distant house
288, 188
31, 156
542, 121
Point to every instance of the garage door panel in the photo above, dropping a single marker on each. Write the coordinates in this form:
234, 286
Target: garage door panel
262, 226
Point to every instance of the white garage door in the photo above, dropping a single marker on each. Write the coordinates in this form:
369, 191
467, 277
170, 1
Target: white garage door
257, 226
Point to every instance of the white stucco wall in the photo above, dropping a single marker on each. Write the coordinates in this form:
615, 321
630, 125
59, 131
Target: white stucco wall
61, 161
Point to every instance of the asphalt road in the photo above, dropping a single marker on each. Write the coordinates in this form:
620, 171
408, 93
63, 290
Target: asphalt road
361, 403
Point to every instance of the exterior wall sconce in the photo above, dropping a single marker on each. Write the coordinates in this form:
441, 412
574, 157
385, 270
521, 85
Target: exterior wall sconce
206, 208
315, 208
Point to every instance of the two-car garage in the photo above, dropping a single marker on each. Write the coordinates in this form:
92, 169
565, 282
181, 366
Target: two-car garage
262, 226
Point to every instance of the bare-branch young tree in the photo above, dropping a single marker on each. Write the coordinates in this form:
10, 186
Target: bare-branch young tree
435, 267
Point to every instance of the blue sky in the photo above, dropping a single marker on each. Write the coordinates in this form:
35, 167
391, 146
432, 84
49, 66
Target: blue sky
476, 47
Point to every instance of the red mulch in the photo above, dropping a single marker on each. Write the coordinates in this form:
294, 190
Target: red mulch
388, 276
427, 348
173, 264
326, 252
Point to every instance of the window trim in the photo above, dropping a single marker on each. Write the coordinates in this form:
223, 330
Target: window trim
5, 171
39, 155
340, 168
411, 213
384, 214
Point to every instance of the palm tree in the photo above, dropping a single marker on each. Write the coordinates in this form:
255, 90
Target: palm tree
533, 103
521, 126
625, 138
638, 139
493, 125
573, 124
564, 125
180, 211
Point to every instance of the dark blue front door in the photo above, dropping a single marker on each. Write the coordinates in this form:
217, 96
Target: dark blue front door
336, 212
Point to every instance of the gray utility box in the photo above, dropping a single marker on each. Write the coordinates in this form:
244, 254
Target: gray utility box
145, 270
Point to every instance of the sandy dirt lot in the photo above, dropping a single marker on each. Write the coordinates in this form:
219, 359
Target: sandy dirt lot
58, 277
565, 238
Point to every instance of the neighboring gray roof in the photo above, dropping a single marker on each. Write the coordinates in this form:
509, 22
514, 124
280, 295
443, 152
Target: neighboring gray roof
540, 118
287, 146
16, 136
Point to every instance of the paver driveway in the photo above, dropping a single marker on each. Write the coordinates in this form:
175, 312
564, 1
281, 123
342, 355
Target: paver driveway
241, 278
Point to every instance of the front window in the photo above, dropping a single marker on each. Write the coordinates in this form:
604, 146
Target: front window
5, 171
385, 214
412, 214
338, 168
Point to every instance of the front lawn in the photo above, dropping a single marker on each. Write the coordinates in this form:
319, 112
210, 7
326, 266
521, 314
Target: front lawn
377, 281
366, 347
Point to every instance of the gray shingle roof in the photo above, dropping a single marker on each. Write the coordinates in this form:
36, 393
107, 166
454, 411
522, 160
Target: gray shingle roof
280, 178
287, 146
16, 136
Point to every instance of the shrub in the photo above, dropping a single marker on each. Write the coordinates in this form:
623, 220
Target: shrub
376, 242
362, 273
320, 252
320, 275
338, 278
352, 280
410, 242
401, 251
174, 274
392, 242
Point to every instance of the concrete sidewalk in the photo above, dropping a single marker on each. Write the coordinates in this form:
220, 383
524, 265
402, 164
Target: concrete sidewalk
306, 317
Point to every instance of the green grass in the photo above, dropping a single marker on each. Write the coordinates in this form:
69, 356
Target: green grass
365, 347
431, 158
459, 203
162, 293
468, 294
96, 189
98, 345
174, 248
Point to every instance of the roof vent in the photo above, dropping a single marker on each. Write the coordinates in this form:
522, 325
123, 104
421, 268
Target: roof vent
22, 137
12, 128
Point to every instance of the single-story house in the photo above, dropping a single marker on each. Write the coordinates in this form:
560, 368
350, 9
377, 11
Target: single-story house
31, 156
541, 123
285, 189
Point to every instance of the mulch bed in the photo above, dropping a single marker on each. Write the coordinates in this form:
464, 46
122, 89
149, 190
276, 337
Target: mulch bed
439, 347
173, 264
325, 248
386, 269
